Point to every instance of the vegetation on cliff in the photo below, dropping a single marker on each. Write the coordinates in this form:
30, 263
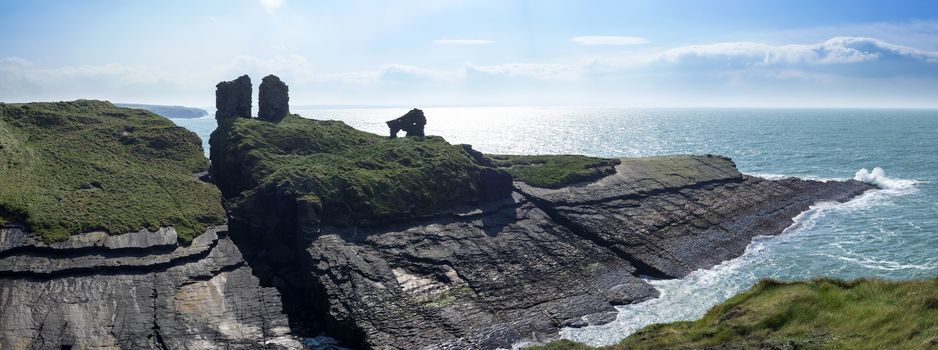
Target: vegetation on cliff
818, 314
72, 167
347, 175
554, 171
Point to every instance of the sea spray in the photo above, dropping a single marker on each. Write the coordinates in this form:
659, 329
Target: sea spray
690, 297
878, 177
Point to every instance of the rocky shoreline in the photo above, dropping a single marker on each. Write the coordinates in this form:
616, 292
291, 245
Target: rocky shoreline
386, 243
498, 263
521, 268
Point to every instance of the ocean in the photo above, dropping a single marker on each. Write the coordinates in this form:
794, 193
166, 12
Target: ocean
890, 233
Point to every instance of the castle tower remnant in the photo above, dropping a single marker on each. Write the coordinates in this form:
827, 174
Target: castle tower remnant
273, 99
233, 99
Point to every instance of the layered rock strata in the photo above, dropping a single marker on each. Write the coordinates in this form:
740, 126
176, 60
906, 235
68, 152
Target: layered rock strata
482, 278
521, 268
672, 215
134, 291
414, 243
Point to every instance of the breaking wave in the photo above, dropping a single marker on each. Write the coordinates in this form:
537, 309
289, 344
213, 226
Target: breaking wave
690, 297
878, 177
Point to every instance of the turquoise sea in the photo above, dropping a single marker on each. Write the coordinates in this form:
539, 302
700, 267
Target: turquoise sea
890, 233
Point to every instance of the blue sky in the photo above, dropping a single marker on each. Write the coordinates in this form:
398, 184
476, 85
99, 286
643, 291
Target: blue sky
423, 53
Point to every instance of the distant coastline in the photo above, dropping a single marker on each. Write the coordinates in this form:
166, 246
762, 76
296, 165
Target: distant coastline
168, 111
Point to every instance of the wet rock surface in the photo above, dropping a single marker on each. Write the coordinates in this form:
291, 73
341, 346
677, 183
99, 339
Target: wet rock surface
134, 291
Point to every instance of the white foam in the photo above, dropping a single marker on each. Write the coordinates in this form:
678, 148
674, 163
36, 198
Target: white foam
772, 176
769, 176
881, 264
878, 177
680, 299
689, 297
889, 188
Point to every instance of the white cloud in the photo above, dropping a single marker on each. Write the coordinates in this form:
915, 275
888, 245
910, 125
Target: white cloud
542, 71
271, 5
463, 42
17, 69
916, 33
14, 62
609, 40
833, 51
293, 67
400, 73
840, 62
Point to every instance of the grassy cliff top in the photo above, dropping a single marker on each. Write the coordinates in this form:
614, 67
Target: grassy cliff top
818, 314
347, 174
72, 167
554, 171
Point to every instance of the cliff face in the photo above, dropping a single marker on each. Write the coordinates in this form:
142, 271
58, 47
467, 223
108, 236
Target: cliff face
482, 278
108, 238
384, 243
486, 273
134, 291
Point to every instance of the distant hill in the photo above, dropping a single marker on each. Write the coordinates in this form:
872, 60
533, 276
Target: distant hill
168, 111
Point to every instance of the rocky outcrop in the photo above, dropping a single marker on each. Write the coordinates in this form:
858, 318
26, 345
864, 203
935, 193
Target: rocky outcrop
555, 258
521, 268
495, 184
412, 123
273, 102
233, 99
90, 166
418, 244
670, 216
482, 278
133, 291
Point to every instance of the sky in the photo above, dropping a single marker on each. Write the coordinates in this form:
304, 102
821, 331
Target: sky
715, 53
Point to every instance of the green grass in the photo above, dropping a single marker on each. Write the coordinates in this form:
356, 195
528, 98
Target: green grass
818, 314
347, 175
554, 171
73, 167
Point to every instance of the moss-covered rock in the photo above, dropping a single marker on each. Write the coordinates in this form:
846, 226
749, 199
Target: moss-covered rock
342, 175
817, 314
72, 167
554, 171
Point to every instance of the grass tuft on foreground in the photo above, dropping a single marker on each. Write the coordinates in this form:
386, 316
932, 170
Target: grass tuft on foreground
348, 176
80, 166
554, 171
817, 314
